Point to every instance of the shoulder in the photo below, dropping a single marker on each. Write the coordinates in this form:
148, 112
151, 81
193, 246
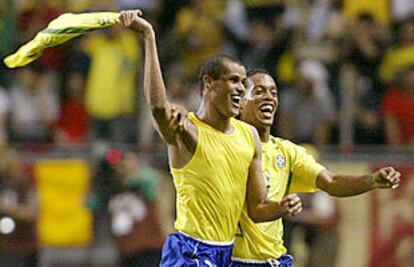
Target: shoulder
284, 143
245, 128
288, 147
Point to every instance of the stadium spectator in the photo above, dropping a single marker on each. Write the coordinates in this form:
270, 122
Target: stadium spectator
267, 41
307, 109
111, 84
401, 55
4, 112
128, 188
199, 30
378, 9
366, 45
18, 238
397, 107
34, 105
8, 40
72, 125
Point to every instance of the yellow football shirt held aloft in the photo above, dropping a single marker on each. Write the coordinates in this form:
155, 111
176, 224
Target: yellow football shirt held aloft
211, 188
287, 168
60, 30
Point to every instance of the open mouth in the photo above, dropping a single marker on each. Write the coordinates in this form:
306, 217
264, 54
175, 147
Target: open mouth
235, 99
267, 110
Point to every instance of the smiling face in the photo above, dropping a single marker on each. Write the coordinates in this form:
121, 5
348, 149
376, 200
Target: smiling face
227, 91
260, 102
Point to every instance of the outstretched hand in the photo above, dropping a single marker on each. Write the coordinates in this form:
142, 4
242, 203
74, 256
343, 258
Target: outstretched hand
292, 204
387, 177
133, 19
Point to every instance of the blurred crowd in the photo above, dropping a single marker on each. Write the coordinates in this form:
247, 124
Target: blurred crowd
344, 70
345, 74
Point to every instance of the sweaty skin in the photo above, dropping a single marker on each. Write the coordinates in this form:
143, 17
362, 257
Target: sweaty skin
219, 103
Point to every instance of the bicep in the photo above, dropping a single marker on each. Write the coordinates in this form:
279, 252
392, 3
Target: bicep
256, 187
324, 180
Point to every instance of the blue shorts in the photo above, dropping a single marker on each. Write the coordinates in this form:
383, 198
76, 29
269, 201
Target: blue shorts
284, 261
182, 250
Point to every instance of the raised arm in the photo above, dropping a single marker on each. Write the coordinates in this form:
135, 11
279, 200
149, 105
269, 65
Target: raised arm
154, 88
349, 185
261, 209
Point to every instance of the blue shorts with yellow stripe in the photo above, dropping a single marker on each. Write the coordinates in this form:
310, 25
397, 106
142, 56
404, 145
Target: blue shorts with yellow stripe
182, 250
284, 261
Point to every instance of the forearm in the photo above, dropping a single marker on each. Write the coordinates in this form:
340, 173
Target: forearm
266, 211
347, 185
154, 88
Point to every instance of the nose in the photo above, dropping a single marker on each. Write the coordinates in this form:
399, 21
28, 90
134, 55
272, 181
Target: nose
240, 88
268, 95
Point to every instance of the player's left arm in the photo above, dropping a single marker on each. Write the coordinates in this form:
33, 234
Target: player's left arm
259, 207
350, 185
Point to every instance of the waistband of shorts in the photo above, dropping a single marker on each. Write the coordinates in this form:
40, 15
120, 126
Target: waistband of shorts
254, 261
208, 242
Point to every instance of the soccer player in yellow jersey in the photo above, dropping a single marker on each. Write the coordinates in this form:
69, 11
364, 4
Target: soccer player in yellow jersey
287, 168
215, 159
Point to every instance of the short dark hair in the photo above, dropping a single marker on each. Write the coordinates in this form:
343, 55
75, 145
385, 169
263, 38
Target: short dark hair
254, 71
214, 67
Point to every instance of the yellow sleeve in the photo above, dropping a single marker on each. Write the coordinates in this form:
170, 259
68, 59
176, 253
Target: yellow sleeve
304, 169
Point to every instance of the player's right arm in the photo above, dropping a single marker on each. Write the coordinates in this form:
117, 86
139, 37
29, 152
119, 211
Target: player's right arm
181, 139
154, 88
259, 207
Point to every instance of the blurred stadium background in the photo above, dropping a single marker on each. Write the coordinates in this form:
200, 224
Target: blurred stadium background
345, 72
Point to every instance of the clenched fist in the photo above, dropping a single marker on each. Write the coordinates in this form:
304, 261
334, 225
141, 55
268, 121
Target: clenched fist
292, 204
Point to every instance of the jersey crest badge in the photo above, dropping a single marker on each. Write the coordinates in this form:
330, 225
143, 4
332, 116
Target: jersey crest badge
280, 161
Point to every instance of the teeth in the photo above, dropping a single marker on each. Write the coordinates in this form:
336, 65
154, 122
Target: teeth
235, 99
266, 108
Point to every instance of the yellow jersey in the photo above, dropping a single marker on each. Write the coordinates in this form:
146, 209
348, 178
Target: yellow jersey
287, 168
111, 81
211, 188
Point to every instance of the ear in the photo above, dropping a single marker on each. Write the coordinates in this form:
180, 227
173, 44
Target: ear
208, 82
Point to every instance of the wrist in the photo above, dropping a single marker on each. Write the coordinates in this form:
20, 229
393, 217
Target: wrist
372, 181
283, 210
149, 34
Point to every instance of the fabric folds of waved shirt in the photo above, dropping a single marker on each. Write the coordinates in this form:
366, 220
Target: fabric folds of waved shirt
60, 30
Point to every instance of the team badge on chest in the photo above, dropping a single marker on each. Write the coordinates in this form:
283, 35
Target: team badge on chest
280, 161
